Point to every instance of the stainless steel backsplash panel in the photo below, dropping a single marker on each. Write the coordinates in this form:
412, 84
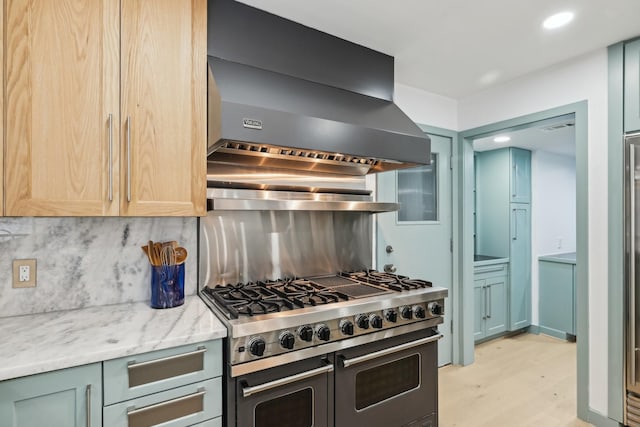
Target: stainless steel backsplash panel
243, 246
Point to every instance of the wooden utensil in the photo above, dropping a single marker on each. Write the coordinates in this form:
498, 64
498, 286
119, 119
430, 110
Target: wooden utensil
181, 254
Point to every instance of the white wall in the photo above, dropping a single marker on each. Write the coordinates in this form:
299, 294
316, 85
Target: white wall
427, 108
553, 219
582, 79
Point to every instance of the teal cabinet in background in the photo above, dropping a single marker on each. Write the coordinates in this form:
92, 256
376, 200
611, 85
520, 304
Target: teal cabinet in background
632, 86
490, 300
557, 279
520, 182
69, 397
503, 223
520, 267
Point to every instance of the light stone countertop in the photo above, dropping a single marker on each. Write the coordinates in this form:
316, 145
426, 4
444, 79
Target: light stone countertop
38, 343
566, 258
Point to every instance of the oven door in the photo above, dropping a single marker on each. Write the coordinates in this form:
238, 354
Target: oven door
393, 382
299, 394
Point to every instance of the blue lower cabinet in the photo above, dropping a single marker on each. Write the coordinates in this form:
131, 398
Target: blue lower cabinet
66, 398
178, 407
490, 300
557, 299
479, 327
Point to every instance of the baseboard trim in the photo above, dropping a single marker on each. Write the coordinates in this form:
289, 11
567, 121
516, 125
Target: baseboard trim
600, 420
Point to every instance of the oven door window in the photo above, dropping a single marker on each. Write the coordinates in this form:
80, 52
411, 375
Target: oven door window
386, 381
291, 410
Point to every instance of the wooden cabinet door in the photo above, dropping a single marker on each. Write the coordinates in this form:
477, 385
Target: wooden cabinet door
163, 97
61, 75
632, 86
70, 397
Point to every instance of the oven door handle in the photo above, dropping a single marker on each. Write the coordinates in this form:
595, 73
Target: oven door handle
248, 391
350, 362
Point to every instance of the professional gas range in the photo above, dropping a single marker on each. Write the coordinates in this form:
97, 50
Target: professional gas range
274, 322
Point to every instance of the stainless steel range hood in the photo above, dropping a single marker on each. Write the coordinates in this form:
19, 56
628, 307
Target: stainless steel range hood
289, 97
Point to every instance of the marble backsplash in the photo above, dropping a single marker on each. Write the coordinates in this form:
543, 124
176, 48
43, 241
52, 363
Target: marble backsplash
88, 261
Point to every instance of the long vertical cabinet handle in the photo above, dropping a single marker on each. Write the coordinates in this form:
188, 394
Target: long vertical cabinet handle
88, 404
489, 310
128, 158
514, 193
632, 260
515, 225
110, 157
484, 294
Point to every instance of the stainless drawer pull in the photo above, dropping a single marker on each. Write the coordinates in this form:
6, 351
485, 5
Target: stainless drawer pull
165, 368
488, 269
248, 391
128, 158
133, 364
87, 396
110, 157
165, 411
350, 362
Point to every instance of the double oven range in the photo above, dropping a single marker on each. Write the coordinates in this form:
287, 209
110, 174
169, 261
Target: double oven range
314, 337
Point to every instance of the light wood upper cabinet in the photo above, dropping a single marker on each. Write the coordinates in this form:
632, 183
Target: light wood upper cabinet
61, 85
164, 107
105, 107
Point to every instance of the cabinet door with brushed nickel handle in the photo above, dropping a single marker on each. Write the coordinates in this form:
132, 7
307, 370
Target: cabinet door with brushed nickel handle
61, 100
105, 108
68, 397
163, 103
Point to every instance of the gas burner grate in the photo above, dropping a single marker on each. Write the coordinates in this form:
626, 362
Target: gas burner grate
391, 281
303, 292
248, 299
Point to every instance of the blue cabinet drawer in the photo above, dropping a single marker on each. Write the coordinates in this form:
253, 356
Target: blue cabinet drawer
178, 407
142, 374
486, 271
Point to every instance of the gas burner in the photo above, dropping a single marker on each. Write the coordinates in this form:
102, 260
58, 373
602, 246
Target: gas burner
303, 292
248, 299
391, 281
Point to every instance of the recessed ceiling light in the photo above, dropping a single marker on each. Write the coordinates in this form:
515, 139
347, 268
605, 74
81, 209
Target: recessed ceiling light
501, 139
558, 20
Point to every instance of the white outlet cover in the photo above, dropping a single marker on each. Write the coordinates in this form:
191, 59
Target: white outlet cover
24, 273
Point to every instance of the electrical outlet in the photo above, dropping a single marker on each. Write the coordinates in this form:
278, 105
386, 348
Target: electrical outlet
24, 273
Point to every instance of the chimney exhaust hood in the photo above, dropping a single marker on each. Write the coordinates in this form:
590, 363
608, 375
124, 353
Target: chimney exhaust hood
283, 96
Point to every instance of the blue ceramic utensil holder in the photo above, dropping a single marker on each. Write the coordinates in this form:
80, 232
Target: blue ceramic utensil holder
167, 286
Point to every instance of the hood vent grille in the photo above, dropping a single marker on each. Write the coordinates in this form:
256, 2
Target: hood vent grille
558, 126
272, 156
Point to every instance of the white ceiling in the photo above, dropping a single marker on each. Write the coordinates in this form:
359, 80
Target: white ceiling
458, 47
539, 136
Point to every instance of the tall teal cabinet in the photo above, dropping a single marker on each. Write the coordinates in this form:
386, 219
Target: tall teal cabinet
503, 222
520, 266
70, 398
632, 86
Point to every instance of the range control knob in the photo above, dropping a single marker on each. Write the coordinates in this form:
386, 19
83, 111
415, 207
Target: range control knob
435, 309
346, 327
287, 340
306, 333
323, 333
391, 315
418, 312
406, 312
375, 321
257, 346
362, 321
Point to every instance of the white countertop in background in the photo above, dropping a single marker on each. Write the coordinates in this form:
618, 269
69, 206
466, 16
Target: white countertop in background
45, 342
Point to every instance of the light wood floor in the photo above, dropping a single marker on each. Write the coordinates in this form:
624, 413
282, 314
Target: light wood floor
526, 380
